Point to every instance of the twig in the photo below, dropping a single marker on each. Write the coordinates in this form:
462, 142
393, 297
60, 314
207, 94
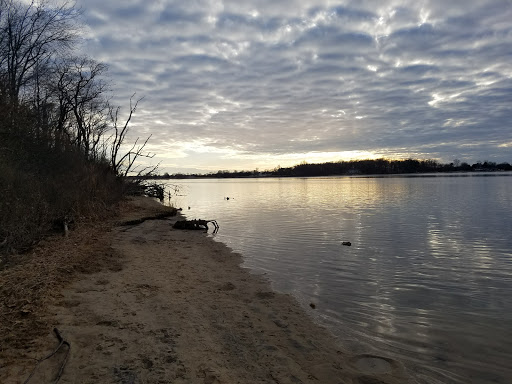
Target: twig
61, 369
63, 342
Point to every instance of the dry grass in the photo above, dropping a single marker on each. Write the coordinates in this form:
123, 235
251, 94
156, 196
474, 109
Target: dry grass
37, 277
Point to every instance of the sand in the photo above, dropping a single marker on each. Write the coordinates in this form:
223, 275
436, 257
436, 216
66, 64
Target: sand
147, 303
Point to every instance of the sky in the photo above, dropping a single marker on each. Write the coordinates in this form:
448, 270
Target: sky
243, 85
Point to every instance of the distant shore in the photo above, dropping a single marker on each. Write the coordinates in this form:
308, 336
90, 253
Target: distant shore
368, 167
148, 303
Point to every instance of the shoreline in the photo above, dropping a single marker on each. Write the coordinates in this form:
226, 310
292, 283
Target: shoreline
175, 306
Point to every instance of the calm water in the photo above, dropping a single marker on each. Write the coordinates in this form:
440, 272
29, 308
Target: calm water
427, 280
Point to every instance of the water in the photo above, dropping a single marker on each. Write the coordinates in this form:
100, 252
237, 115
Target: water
427, 279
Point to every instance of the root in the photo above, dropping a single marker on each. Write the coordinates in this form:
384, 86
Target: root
63, 364
196, 224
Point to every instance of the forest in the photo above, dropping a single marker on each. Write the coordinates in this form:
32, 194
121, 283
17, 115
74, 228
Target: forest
63, 150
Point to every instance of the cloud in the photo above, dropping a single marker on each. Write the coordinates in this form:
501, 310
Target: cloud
269, 79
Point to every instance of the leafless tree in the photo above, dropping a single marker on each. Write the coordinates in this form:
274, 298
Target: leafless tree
61, 85
84, 96
31, 34
123, 164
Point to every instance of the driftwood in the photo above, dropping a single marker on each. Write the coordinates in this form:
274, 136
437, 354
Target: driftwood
196, 224
158, 216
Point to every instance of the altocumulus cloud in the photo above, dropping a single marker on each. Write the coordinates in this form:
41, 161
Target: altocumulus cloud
244, 84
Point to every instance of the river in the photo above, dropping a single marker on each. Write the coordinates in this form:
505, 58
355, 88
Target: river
427, 278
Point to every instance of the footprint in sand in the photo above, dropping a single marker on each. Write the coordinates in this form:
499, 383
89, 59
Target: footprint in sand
69, 303
370, 365
144, 291
108, 323
227, 287
210, 376
139, 240
265, 295
125, 375
147, 363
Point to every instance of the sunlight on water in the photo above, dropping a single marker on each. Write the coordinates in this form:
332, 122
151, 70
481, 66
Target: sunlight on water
427, 279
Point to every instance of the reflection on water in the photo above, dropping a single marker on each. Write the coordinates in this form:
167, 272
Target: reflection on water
426, 280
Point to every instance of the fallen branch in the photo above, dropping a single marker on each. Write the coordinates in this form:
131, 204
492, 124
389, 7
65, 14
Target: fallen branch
159, 216
61, 369
196, 224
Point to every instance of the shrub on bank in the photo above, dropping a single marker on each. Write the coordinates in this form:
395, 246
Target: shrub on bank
36, 202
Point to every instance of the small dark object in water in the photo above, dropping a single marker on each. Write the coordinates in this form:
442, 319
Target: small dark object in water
347, 243
227, 198
312, 305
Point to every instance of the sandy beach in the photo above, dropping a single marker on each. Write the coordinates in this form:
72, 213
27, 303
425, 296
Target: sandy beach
146, 303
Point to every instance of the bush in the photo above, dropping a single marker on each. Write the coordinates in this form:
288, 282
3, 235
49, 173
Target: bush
60, 185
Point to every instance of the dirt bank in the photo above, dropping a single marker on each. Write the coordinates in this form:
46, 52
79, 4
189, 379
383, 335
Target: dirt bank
158, 305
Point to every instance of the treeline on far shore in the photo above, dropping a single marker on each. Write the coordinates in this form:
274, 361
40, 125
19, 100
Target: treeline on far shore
61, 141
353, 167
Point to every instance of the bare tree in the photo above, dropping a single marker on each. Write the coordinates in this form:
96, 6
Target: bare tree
124, 164
30, 36
61, 85
85, 99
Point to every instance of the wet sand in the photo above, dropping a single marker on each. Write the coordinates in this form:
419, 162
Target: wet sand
174, 306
